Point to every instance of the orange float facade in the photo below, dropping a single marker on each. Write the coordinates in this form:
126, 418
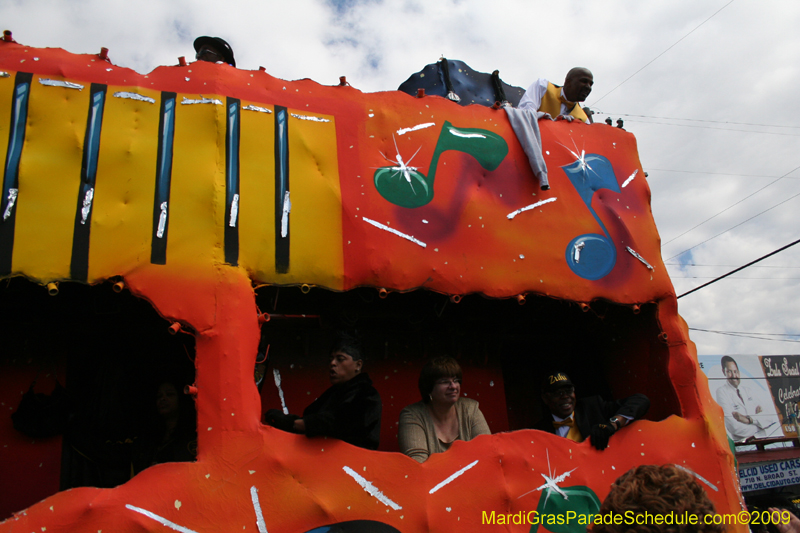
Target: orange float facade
199, 185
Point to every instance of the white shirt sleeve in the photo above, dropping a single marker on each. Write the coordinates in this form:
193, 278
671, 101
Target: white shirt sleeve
532, 98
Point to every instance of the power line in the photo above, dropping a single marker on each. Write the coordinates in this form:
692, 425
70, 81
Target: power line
740, 268
650, 169
749, 332
746, 336
713, 128
730, 206
700, 120
734, 227
735, 277
662, 53
698, 265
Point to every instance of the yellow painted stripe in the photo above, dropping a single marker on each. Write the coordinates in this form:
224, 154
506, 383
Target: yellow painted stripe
316, 216
49, 180
197, 198
122, 214
257, 192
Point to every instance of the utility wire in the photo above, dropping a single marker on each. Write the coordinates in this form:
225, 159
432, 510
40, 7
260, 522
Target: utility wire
699, 120
748, 332
713, 128
730, 206
746, 336
740, 268
650, 169
736, 277
699, 265
662, 53
734, 227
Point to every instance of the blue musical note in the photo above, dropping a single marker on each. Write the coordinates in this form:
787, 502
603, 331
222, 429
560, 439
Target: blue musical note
591, 256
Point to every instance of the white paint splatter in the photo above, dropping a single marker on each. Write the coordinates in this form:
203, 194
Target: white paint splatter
307, 117
262, 526
392, 230
287, 208
59, 83
403, 131
698, 476
87, 205
12, 198
162, 221
178, 504
277, 375
630, 179
161, 520
134, 96
639, 257
576, 252
529, 207
370, 489
453, 477
256, 108
459, 133
201, 100
234, 211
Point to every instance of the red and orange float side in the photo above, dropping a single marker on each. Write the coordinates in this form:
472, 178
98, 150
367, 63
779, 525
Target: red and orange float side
193, 183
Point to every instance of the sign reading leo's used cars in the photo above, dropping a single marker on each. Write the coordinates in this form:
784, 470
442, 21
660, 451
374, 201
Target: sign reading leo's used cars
757, 476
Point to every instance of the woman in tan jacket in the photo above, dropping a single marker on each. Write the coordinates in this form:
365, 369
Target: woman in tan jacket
443, 416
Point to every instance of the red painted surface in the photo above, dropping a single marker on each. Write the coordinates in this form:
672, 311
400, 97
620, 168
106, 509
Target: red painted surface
305, 483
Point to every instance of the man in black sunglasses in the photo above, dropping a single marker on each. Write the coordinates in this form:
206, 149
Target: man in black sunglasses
214, 50
588, 417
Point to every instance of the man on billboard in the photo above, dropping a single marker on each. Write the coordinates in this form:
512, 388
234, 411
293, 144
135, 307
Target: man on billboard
739, 404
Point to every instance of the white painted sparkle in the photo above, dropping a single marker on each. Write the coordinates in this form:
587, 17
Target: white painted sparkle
370, 489
160, 519
552, 481
698, 476
201, 100
510, 216
639, 257
59, 83
403, 131
262, 526
392, 230
134, 96
451, 478
630, 178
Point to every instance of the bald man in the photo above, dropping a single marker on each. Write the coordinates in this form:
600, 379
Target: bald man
560, 102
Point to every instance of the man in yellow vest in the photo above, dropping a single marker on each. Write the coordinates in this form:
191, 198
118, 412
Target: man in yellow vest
588, 417
556, 102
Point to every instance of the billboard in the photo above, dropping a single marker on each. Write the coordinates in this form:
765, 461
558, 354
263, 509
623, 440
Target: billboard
758, 394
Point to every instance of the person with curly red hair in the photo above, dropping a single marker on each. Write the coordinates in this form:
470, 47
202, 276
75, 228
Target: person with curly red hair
648, 491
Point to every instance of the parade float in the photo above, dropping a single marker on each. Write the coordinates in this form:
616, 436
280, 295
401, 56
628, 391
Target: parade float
202, 209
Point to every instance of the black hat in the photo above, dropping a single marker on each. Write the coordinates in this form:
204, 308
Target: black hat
220, 45
555, 381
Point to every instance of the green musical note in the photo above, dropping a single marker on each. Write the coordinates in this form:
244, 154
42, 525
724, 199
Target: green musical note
406, 186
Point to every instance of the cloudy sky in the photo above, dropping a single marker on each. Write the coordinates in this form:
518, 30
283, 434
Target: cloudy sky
705, 86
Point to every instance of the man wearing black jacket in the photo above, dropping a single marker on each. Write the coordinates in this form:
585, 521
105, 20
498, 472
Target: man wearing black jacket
588, 417
349, 410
